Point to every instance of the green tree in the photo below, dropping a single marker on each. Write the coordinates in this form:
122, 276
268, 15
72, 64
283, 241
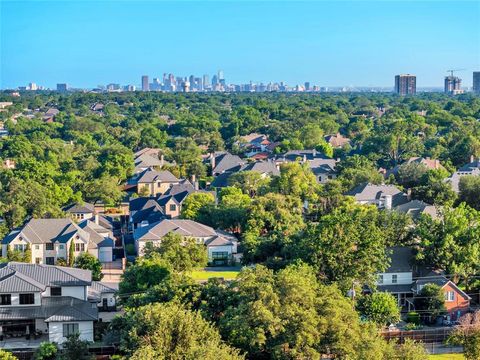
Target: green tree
430, 301
296, 180
379, 307
75, 348
182, 253
46, 351
167, 331
250, 182
467, 334
194, 202
7, 355
71, 254
469, 187
357, 169
27, 254
409, 350
87, 261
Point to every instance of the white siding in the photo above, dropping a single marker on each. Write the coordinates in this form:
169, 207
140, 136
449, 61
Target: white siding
78, 292
105, 254
55, 330
211, 249
16, 300
403, 278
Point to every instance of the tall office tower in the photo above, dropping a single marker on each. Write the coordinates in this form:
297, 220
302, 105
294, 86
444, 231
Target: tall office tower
145, 84
63, 88
453, 85
220, 75
476, 82
191, 80
32, 86
214, 80
199, 83
186, 86
206, 80
307, 86
406, 84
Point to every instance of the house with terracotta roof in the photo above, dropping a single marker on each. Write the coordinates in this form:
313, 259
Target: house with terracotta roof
337, 140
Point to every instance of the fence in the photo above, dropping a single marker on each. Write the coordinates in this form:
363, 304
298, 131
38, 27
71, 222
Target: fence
427, 336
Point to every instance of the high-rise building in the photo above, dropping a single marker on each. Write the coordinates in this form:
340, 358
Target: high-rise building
145, 84
453, 85
476, 82
62, 88
32, 86
214, 80
206, 80
406, 84
307, 86
220, 75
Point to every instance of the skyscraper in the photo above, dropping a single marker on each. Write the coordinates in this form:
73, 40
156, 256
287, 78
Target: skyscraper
406, 84
145, 84
476, 82
220, 75
62, 88
453, 85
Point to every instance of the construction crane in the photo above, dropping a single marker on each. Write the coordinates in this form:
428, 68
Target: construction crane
452, 71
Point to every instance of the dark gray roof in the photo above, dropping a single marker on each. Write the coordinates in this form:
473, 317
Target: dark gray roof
182, 227
67, 308
149, 176
48, 275
80, 208
227, 162
322, 166
401, 259
293, 155
263, 167
475, 164
372, 192
13, 281
95, 231
416, 208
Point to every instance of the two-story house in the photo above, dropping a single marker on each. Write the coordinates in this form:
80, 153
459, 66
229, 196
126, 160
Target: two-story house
405, 280
45, 301
154, 183
221, 246
50, 240
383, 196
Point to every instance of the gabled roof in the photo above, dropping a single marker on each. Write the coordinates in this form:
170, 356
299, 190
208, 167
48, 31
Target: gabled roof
80, 208
293, 155
263, 167
371, 192
416, 208
66, 308
41, 231
473, 164
227, 162
337, 140
95, 231
254, 138
149, 176
146, 160
437, 278
13, 281
401, 259
181, 227
322, 166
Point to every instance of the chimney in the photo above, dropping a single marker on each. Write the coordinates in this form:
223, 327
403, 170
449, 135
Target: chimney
212, 161
162, 159
314, 152
96, 219
304, 158
387, 202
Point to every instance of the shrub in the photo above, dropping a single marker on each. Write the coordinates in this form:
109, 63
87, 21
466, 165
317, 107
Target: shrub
413, 318
46, 351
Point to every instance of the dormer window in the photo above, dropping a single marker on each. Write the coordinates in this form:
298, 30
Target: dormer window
49, 246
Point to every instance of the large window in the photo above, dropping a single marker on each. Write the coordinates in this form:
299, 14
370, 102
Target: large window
56, 291
70, 329
173, 207
394, 278
19, 247
5, 299
79, 247
27, 299
219, 255
49, 246
450, 296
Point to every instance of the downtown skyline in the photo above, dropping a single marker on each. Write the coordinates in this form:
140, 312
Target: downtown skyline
331, 44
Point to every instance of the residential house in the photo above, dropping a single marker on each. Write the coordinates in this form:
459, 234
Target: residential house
470, 169
144, 211
50, 114
154, 183
104, 295
337, 140
50, 240
323, 169
264, 168
253, 144
417, 208
147, 161
405, 280
430, 164
383, 196
221, 246
300, 155
80, 211
45, 301
223, 162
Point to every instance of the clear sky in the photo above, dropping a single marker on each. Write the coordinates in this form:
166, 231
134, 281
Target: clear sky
329, 43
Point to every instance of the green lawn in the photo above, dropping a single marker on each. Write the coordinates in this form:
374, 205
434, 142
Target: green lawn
205, 275
447, 357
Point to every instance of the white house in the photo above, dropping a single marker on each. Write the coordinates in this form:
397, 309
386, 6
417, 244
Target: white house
42, 300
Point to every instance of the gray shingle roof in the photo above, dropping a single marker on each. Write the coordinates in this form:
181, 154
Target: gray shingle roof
372, 192
227, 162
401, 259
93, 230
13, 281
149, 176
416, 208
182, 227
41, 231
80, 208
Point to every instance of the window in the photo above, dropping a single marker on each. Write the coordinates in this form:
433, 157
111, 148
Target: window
394, 278
450, 296
27, 299
5, 299
380, 279
70, 329
49, 246
37, 247
55, 291
38, 260
79, 247
61, 247
173, 207
219, 255
50, 260
19, 247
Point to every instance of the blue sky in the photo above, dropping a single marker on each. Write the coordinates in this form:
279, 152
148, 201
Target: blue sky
329, 43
